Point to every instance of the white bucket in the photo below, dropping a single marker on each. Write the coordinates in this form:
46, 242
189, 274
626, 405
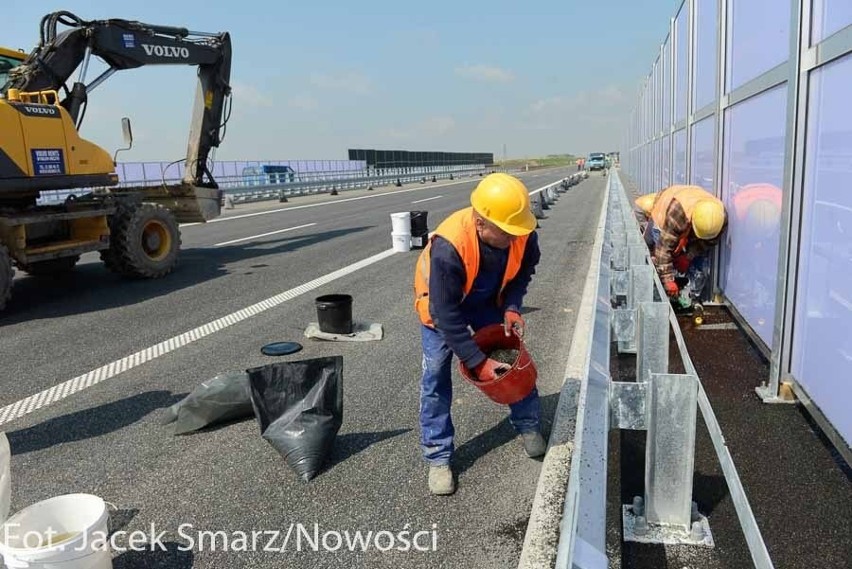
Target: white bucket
401, 222
401, 242
65, 532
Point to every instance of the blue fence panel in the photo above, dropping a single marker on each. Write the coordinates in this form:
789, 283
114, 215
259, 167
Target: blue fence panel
703, 146
830, 16
133, 172
759, 38
667, 86
822, 340
679, 157
753, 168
152, 171
681, 62
706, 54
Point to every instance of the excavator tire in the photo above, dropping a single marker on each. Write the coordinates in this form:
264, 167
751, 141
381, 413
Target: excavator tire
51, 267
144, 241
6, 274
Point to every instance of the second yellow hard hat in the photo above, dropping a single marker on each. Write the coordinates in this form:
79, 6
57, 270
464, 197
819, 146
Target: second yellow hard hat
708, 218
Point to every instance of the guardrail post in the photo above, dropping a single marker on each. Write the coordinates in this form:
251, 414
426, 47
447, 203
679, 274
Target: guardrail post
640, 290
652, 341
666, 513
670, 451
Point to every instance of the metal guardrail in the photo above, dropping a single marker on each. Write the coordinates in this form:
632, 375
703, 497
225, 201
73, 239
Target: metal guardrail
329, 183
632, 308
245, 189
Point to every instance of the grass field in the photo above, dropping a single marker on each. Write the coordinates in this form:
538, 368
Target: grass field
551, 160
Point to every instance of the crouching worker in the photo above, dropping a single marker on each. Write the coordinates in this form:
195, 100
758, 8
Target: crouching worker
683, 226
474, 272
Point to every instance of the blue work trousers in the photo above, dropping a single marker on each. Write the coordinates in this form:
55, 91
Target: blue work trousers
436, 395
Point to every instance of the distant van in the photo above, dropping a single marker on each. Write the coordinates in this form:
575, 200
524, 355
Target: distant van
596, 161
268, 174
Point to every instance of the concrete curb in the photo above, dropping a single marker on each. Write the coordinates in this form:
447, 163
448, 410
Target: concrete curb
543, 530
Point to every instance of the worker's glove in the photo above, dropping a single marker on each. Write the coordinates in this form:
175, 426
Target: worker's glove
671, 288
681, 263
489, 370
513, 322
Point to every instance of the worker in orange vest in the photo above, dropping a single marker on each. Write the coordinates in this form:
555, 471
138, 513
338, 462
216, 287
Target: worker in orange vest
474, 272
684, 223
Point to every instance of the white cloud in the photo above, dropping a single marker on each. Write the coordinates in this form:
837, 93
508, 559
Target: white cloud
488, 73
349, 82
428, 128
596, 103
438, 125
249, 96
395, 134
303, 103
416, 40
585, 122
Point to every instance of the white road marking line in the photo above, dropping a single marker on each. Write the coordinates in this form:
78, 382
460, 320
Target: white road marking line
541, 189
262, 235
72, 386
428, 199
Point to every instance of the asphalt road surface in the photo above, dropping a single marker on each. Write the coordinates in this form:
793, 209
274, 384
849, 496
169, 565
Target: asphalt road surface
122, 351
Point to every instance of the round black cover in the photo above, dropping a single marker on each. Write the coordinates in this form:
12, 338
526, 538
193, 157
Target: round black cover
281, 348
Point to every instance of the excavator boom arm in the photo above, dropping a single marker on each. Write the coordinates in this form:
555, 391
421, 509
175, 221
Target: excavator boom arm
125, 44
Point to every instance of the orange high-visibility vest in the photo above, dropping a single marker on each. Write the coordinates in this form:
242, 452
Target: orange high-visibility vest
459, 229
687, 196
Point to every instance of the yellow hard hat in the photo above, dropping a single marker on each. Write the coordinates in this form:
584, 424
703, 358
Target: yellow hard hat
708, 218
646, 202
504, 200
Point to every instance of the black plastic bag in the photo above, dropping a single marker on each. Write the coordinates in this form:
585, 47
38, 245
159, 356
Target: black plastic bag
224, 398
299, 406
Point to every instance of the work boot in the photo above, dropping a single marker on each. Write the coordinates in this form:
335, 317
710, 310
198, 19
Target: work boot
441, 480
534, 444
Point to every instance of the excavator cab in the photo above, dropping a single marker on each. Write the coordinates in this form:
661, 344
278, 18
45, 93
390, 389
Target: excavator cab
5, 67
44, 96
9, 59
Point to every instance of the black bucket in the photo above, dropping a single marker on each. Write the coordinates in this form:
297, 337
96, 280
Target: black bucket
334, 313
419, 229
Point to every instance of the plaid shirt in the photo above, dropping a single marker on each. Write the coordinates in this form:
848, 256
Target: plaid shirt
675, 238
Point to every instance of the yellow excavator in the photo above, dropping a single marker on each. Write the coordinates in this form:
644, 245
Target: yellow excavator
134, 229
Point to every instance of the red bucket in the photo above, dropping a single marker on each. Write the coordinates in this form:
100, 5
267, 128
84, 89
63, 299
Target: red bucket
513, 385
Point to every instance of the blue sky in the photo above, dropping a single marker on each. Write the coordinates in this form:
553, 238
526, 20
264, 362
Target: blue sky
312, 79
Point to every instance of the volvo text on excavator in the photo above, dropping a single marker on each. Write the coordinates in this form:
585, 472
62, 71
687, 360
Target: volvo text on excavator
135, 229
